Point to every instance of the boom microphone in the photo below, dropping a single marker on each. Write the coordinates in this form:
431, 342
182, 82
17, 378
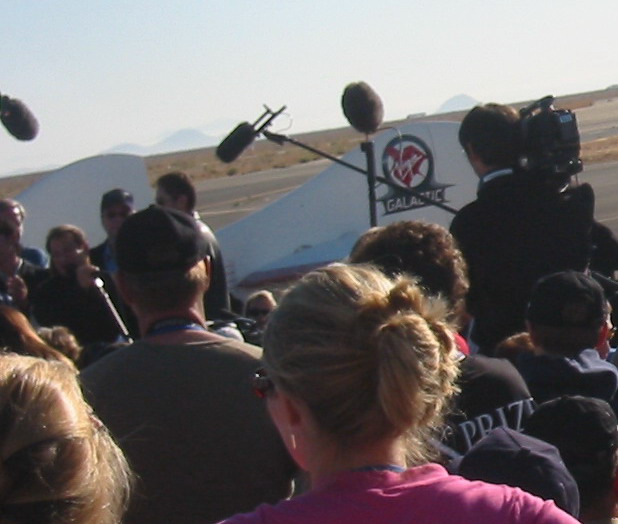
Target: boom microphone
236, 142
244, 134
17, 118
362, 107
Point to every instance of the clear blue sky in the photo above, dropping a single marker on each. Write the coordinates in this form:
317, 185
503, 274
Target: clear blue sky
100, 73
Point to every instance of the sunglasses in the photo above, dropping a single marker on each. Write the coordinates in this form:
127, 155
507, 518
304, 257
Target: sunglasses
258, 312
261, 383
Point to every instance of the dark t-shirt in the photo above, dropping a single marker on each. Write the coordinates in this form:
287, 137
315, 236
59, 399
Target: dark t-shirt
493, 394
200, 441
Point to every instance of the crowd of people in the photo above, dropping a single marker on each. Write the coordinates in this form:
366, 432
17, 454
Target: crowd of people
372, 390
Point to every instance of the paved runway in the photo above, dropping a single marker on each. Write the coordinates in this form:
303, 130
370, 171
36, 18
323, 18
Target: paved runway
225, 200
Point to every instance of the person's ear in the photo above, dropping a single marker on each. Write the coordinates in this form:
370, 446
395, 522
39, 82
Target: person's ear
603, 334
294, 423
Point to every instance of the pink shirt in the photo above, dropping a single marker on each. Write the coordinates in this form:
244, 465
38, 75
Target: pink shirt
425, 494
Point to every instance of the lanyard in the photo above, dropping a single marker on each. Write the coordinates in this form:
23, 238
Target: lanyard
173, 324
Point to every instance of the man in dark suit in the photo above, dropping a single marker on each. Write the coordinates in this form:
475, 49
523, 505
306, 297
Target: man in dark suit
116, 206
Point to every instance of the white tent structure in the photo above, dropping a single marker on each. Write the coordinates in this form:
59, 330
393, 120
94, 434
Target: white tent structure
72, 195
319, 222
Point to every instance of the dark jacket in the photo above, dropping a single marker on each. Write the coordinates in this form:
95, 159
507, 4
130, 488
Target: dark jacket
60, 301
97, 256
514, 233
587, 374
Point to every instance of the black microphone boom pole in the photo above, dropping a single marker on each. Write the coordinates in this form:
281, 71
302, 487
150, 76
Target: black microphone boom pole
364, 110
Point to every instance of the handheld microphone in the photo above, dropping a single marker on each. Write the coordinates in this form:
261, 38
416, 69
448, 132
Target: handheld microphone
236, 142
362, 107
243, 136
17, 118
100, 286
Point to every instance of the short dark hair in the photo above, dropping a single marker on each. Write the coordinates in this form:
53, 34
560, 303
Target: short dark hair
492, 130
178, 184
67, 229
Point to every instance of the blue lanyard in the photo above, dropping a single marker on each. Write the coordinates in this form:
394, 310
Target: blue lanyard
382, 467
173, 324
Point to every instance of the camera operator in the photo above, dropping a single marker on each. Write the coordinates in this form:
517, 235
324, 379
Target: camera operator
525, 223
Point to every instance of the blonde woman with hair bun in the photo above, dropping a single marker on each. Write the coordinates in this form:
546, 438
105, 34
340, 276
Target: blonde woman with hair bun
58, 463
358, 371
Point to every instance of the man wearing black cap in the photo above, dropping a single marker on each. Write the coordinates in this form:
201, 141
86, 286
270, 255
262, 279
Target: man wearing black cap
505, 456
567, 318
116, 206
585, 432
179, 400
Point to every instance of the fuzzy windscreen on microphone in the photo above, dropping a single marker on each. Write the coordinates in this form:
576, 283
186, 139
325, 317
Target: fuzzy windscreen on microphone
362, 107
17, 118
236, 142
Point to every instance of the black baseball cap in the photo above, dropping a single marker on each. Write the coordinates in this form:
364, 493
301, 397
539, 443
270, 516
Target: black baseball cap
567, 299
116, 197
159, 239
582, 428
505, 456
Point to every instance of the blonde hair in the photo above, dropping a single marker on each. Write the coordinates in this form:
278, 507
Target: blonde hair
59, 464
370, 356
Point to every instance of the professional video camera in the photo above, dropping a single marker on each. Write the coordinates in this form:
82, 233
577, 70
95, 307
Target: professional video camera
549, 140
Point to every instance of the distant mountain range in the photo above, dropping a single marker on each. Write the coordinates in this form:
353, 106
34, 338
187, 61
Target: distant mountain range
458, 103
186, 139
179, 141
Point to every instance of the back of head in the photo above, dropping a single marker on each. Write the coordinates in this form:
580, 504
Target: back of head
59, 464
371, 357
63, 340
177, 184
262, 295
158, 251
18, 336
585, 431
492, 130
505, 456
566, 312
425, 250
